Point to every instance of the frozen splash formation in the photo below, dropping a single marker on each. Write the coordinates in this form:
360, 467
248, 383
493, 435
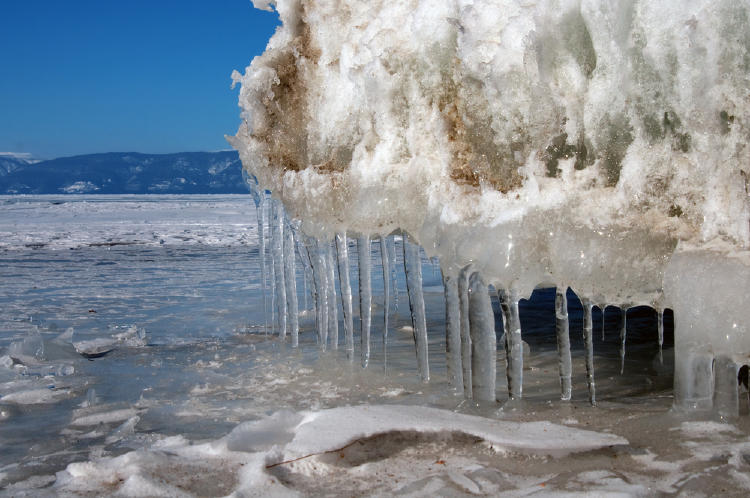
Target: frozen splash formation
597, 145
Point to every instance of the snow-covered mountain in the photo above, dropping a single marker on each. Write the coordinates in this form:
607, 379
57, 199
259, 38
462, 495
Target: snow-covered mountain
124, 173
11, 161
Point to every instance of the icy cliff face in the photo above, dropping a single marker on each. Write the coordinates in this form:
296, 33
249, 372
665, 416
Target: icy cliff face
563, 142
575, 138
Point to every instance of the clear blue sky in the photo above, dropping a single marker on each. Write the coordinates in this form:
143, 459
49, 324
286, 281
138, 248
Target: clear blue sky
84, 76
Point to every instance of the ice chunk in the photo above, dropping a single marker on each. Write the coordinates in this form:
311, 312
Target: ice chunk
540, 142
334, 428
95, 348
30, 349
276, 429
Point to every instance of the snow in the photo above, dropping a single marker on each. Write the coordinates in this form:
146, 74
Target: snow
74, 221
240, 461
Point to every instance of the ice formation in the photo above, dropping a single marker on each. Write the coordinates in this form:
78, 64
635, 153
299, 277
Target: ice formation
585, 144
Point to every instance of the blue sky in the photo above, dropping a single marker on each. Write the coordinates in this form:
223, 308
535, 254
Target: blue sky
84, 76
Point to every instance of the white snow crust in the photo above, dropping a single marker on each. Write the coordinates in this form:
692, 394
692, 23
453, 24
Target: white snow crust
240, 460
334, 428
541, 141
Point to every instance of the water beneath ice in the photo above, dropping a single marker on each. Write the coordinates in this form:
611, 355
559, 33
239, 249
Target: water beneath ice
167, 412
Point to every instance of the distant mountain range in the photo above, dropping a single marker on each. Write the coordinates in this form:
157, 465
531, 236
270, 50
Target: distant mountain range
124, 173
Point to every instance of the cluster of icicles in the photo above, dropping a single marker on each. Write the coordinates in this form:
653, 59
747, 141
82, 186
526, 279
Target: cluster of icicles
470, 339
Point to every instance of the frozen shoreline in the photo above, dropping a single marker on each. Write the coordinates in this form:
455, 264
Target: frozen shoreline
160, 411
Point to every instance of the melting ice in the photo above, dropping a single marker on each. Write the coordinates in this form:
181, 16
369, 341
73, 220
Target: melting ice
197, 397
595, 148
564, 143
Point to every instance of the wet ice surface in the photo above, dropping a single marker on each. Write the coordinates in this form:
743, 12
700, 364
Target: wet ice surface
168, 412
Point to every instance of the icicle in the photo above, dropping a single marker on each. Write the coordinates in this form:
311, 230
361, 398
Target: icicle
304, 256
333, 316
342, 253
453, 333
386, 296
509, 304
391, 244
290, 278
273, 268
726, 393
365, 296
259, 198
623, 335
563, 343
260, 213
660, 327
304, 289
588, 344
317, 261
483, 341
413, 270
463, 304
277, 248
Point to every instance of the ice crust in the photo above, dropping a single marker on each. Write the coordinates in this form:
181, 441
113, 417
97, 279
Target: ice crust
239, 462
579, 143
334, 428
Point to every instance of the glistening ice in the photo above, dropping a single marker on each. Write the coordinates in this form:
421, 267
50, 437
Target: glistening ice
592, 145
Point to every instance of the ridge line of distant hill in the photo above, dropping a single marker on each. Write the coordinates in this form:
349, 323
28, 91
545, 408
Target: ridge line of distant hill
217, 172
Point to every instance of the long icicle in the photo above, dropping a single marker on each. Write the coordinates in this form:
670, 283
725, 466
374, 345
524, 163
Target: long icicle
509, 303
463, 304
660, 328
304, 278
365, 296
304, 256
333, 316
342, 256
391, 244
272, 277
562, 329
322, 260
260, 209
453, 333
588, 344
290, 278
385, 260
319, 279
278, 262
483, 341
413, 270
623, 335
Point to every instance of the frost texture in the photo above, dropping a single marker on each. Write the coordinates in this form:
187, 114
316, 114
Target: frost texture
576, 143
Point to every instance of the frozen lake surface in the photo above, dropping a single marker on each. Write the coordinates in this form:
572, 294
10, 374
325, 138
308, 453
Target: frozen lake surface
133, 360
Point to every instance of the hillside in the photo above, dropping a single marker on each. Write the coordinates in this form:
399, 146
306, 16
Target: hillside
125, 173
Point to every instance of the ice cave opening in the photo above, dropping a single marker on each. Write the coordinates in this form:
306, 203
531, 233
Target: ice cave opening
572, 144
